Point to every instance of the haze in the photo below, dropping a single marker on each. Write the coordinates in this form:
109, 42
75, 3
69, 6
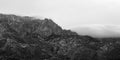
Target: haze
100, 31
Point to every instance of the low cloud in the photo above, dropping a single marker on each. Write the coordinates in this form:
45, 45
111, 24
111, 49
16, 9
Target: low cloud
97, 30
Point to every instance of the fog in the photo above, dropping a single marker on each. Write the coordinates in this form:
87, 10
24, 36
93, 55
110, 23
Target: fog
98, 30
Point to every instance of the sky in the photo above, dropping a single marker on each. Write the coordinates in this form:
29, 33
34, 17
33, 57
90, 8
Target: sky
67, 13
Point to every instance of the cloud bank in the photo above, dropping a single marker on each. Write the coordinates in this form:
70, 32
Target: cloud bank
98, 30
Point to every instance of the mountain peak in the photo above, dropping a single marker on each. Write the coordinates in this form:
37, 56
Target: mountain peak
25, 24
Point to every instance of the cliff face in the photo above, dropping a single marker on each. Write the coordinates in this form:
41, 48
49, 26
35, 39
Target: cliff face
29, 38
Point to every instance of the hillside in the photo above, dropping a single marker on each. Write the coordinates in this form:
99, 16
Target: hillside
30, 38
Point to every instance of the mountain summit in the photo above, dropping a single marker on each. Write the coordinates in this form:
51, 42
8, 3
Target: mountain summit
25, 24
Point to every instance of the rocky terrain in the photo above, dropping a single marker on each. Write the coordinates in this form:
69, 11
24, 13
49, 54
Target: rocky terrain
29, 38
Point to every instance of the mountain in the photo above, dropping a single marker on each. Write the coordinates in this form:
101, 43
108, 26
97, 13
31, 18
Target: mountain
22, 37
30, 38
97, 30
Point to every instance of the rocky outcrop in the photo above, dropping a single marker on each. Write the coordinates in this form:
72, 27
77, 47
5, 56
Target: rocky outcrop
29, 38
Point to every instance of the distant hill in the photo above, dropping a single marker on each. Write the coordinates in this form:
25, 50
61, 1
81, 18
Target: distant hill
98, 30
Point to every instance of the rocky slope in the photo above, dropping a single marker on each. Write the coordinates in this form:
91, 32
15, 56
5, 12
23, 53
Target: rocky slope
29, 38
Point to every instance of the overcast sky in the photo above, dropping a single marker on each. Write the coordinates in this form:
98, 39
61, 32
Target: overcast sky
67, 13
